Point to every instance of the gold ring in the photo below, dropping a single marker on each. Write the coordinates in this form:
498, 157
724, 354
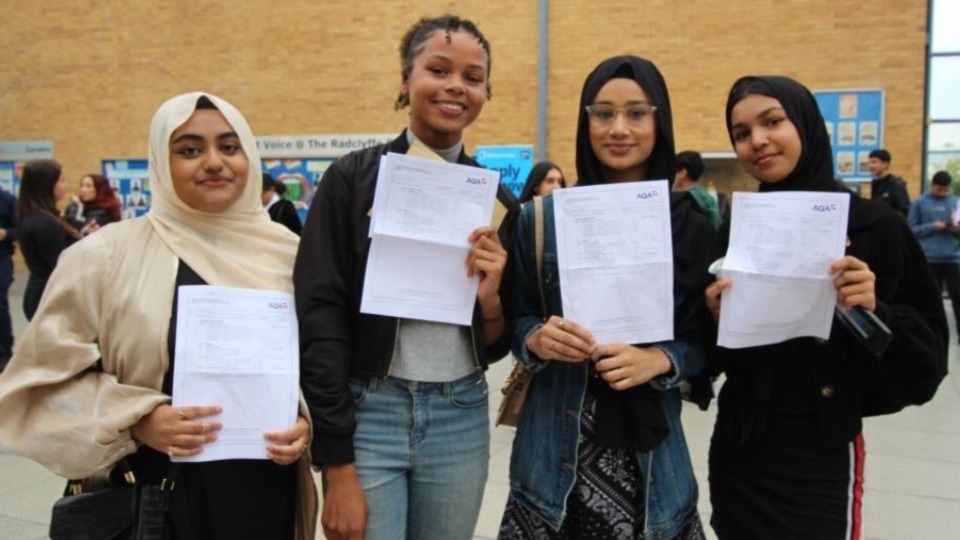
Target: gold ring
170, 451
182, 415
561, 323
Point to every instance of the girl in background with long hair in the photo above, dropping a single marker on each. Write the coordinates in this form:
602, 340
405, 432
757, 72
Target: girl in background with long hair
95, 203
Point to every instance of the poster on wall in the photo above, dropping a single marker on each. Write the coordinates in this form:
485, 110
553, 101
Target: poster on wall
10, 174
300, 176
854, 120
131, 182
513, 161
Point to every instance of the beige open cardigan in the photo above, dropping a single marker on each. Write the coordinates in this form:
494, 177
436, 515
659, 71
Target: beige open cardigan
55, 408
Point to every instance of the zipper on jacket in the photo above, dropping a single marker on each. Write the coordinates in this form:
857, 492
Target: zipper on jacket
473, 347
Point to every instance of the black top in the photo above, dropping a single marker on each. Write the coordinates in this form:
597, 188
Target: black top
285, 213
8, 221
892, 191
835, 383
42, 238
234, 498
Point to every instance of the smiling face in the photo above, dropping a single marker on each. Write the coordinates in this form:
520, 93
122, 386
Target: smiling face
766, 142
447, 87
623, 148
207, 163
88, 191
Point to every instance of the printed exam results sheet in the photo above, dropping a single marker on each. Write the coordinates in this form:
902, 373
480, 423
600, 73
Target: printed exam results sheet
237, 348
615, 255
423, 212
781, 249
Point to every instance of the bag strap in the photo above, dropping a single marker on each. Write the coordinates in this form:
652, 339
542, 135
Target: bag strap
538, 242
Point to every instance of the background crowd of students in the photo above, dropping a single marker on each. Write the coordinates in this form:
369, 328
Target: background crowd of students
394, 411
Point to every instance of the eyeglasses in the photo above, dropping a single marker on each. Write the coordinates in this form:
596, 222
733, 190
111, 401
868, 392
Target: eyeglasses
603, 115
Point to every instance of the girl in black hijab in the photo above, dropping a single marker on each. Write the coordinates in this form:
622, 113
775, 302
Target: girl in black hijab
600, 452
786, 458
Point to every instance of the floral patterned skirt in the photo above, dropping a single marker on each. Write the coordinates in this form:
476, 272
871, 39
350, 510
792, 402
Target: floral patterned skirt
606, 501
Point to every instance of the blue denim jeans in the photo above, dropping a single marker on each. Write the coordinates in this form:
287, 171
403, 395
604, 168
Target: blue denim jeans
422, 451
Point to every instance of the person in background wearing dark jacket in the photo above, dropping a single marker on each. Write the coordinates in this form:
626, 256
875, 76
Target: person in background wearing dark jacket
42, 233
280, 210
95, 205
933, 220
8, 233
885, 187
402, 430
787, 453
544, 177
690, 168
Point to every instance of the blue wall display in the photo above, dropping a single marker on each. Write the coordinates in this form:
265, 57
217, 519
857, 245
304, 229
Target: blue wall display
854, 121
513, 161
131, 181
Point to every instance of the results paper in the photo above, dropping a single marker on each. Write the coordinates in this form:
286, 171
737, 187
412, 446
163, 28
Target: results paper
615, 254
239, 349
423, 212
781, 249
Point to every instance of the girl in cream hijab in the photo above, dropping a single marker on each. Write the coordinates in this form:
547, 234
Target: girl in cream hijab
91, 380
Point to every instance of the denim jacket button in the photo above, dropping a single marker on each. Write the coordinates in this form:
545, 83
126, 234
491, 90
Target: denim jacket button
827, 391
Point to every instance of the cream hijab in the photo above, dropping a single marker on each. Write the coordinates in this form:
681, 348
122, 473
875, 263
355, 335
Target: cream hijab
239, 247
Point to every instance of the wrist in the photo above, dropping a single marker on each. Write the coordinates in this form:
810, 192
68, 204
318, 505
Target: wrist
490, 308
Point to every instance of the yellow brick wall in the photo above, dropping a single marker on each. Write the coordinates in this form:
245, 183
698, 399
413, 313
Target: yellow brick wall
89, 75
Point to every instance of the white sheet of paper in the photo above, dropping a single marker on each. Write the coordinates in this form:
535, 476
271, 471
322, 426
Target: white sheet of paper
781, 248
615, 254
423, 212
239, 349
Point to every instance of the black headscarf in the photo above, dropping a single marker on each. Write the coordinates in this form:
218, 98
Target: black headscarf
662, 161
631, 418
814, 171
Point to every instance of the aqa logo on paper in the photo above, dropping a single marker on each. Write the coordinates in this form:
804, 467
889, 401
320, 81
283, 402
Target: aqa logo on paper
477, 181
644, 195
832, 207
277, 305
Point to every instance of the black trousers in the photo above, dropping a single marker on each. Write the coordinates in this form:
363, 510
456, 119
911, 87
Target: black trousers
948, 274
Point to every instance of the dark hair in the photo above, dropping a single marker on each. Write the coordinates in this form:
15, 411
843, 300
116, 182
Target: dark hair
105, 198
268, 181
36, 187
270, 184
414, 41
36, 192
692, 162
204, 103
881, 154
941, 178
536, 177
814, 169
661, 163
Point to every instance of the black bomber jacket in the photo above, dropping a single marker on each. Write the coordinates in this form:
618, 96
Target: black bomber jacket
336, 340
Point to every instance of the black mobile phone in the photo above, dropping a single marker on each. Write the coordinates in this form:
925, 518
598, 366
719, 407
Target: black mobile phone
867, 328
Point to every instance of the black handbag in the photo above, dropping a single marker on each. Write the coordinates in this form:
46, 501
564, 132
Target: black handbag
129, 512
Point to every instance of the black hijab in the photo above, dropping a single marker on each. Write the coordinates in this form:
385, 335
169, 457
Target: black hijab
814, 171
662, 161
631, 418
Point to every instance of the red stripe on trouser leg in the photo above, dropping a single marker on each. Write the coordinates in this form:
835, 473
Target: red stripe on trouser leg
858, 456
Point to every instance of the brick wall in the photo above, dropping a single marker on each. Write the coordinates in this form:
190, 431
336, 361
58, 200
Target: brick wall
89, 75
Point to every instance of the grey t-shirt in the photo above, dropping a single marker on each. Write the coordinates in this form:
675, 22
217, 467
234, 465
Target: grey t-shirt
430, 351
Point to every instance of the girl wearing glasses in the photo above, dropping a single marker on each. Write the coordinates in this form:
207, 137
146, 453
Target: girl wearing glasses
400, 406
600, 452
786, 458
